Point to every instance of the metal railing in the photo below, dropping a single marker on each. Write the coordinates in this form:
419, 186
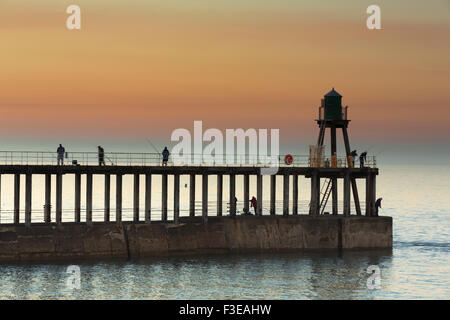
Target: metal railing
343, 114
155, 159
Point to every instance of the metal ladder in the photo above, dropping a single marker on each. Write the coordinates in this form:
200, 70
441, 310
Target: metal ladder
326, 195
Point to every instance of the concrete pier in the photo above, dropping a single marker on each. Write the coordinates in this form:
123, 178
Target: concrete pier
191, 236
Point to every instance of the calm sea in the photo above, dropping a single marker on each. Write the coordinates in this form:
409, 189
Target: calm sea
418, 267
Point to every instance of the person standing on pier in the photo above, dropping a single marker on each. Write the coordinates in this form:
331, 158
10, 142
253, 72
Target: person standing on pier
351, 160
377, 205
101, 156
254, 203
362, 159
165, 155
60, 151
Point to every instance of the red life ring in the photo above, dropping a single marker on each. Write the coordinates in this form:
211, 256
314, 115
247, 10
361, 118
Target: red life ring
288, 159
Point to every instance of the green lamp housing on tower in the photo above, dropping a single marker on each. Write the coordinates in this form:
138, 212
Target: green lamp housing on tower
333, 105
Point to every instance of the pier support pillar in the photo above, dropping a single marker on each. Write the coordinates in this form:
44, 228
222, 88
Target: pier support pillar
273, 188
285, 194
355, 196
246, 192
315, 194
59, 187
192, 195
232, 195
136, 181
373, 196
219, 194
77, 197
295, 194
107, 212
148, 197
334, 190
89, 198
259, 196
368, 195
16, 198
334, 196
346, 193
118, 198
28, 199
205, 197
164, 197
48, 192
176, 197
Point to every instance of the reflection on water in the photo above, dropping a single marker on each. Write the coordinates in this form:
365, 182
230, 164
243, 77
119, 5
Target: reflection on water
417, 267
280, 276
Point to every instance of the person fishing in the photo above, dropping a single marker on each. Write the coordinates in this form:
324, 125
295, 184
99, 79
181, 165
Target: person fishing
254, 203
101, 156
60, 151
165, 154
362, 159
377, 205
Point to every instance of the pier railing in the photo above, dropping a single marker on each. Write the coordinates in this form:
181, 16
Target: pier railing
155, 159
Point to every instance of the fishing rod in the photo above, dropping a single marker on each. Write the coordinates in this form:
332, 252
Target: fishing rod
152, 145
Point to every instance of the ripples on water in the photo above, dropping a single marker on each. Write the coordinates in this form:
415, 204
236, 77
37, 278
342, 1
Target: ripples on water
416, 268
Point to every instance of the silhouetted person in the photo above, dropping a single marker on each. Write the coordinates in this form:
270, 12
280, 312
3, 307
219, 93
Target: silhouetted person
362, 159
165, 155
353, 154
60, 151
254, 203
101, 156
377, 205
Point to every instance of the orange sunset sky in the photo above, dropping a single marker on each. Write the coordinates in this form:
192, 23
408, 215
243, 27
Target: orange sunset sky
140, 68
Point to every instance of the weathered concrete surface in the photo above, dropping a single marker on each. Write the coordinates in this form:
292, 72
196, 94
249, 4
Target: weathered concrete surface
192, 236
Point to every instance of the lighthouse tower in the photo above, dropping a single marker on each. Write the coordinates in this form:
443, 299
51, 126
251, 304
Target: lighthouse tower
333, 116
